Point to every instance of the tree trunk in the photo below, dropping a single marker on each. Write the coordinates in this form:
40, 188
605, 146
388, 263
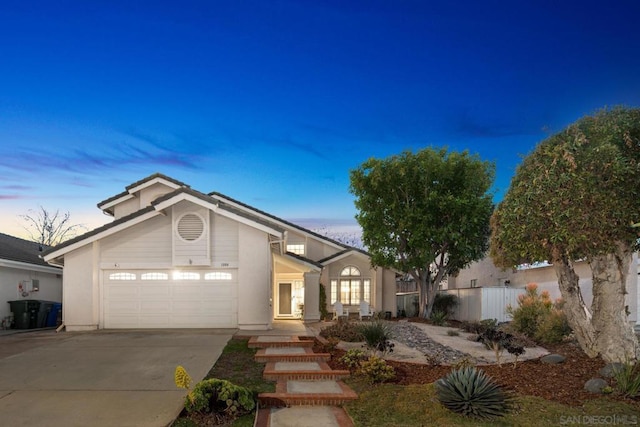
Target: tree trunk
422, 296
615, 338
577, 312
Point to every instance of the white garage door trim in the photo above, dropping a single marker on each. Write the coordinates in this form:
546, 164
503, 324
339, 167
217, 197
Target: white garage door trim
170, 299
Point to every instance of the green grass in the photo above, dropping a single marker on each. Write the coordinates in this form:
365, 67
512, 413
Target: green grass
237, 364
416, 405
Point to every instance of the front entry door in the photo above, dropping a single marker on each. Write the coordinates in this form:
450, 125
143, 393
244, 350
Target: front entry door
284, 299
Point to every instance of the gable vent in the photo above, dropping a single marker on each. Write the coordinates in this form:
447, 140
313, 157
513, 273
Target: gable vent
190, 227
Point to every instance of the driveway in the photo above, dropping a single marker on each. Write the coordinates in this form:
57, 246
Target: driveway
101, 378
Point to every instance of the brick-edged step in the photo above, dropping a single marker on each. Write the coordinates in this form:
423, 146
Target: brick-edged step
308, 392
277, 341
290, 354
302, 371
303, 416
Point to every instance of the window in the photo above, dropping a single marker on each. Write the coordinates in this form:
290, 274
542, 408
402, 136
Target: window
154, 276
185, 275
351, 288
122, 276
218, 275
297, 249
474, 283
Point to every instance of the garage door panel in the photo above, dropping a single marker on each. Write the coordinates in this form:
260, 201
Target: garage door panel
167, 303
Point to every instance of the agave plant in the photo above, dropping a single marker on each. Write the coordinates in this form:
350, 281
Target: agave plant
470, 392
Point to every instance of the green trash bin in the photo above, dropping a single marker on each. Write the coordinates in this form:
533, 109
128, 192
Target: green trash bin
25, 313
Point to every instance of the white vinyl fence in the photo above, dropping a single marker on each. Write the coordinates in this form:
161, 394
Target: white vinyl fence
484, 303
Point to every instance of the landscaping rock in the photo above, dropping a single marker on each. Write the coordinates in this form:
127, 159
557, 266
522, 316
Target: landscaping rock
610, 369
552, 359
414, 337
595, 385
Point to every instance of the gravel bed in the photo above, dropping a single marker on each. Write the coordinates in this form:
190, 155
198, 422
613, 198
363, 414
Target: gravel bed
414, 337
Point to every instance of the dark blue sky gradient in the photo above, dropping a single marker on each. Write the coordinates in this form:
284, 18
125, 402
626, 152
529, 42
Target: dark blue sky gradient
273, 102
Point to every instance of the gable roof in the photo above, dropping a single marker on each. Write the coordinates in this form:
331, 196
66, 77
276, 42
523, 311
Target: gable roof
222, 198
156, 207
106, 204
20, 250
214, 201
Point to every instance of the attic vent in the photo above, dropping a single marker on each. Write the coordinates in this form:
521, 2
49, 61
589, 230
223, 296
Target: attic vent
190, 227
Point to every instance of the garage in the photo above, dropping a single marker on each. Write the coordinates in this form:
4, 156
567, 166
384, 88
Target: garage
170, 299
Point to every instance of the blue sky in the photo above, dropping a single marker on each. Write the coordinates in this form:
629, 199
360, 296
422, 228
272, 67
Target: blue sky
273, 102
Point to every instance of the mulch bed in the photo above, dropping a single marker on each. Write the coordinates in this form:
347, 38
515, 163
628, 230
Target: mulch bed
562, 383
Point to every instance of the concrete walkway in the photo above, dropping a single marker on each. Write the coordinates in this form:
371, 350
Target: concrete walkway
101, 378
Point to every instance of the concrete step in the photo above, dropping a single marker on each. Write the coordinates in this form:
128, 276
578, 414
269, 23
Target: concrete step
314, 370
308, 392
279, 341
303, 416
290, 354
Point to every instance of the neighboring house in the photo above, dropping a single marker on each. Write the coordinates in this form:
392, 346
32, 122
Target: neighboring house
25, 275
485, 290
174, 257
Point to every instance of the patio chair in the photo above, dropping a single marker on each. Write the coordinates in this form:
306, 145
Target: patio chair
339, 311
365, 310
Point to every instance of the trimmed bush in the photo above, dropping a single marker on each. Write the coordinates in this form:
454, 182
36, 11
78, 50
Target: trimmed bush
343, 330
376, 370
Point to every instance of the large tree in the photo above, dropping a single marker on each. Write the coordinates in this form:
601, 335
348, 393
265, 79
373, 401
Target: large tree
425, 213
576, 196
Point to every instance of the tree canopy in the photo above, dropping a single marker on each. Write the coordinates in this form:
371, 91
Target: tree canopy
424, 213
575, 195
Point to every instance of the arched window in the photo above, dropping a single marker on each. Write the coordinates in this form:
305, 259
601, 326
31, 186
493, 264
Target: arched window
351, 288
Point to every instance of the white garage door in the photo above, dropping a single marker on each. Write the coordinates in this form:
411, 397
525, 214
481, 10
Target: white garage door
169, 299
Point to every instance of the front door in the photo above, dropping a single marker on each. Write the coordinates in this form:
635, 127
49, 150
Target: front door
285, 299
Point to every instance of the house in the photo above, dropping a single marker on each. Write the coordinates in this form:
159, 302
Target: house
25, 275
174, 257
485, 290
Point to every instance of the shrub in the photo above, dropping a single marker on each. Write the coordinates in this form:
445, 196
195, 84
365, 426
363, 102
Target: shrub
553, 327
465, 362
353, 358
322, 300
470, 392
342, 330
445, 303
628, 379
538, 317
433, 359
376, 336
478, 327
453, 333
377, 370
438, 318
530, 311
216, 395
498, 340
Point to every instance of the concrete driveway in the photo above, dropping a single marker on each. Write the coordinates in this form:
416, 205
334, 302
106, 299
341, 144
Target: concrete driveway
101, 378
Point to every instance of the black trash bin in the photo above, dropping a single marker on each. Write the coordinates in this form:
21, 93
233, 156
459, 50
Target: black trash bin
25, 313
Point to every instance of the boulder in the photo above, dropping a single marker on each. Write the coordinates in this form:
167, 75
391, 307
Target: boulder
552, 359
610, 369
595, 385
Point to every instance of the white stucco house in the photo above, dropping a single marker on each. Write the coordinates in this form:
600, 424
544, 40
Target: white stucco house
25, 275
174, 257
485, 290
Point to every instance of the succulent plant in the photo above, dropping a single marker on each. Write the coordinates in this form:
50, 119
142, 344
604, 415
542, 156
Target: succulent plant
470, 392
